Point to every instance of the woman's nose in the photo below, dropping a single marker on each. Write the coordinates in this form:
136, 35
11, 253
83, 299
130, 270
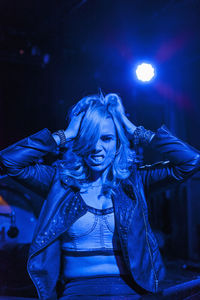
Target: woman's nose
98, 147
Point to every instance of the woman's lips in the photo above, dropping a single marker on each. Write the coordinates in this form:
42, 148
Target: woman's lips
97, 158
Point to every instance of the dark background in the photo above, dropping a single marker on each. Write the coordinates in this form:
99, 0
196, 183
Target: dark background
52, 53
95, 44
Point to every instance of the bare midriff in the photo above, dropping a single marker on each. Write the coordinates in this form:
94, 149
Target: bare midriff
92, 266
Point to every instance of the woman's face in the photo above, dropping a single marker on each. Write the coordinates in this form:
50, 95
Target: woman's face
104, 151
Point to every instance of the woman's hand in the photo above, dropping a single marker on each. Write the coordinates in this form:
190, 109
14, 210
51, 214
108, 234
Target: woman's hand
73, 128
129, 126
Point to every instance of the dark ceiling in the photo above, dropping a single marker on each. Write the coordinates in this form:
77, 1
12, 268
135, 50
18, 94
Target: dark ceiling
54, 52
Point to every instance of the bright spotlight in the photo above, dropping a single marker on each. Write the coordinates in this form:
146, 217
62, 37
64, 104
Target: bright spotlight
145, 72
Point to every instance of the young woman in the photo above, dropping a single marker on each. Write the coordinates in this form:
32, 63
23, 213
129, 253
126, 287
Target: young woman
93, 239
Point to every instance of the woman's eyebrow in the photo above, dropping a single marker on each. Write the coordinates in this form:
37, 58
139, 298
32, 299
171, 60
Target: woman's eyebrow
108, 134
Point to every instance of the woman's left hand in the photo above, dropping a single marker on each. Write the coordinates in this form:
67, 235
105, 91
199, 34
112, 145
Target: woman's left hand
129, 126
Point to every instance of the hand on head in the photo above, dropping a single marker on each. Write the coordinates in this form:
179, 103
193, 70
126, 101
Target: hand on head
74, 125
115, 104
128, 125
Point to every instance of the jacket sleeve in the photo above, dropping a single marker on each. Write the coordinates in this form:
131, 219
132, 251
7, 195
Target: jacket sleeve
21, 161
182, 161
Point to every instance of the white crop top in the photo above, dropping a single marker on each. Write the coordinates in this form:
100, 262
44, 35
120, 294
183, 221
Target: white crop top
91, 247
93, 232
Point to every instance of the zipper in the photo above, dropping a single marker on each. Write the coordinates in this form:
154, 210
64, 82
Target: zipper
156, 281
147, 240
136, 189
128, 261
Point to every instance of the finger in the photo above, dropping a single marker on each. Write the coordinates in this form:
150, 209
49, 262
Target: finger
76, 119
129, 126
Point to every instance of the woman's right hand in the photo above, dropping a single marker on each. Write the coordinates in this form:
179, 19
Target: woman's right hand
74, 125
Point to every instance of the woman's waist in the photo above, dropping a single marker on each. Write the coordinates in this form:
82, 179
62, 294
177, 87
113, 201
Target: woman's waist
81, 266
106, 286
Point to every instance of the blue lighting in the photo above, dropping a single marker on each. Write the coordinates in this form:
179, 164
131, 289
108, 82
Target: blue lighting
145, 72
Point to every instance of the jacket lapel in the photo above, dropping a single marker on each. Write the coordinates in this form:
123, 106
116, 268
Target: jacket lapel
57, 216
124, 204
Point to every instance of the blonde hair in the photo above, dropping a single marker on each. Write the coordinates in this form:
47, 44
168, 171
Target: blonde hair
73, 170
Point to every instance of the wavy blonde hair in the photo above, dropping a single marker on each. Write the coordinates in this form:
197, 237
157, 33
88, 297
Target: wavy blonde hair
73, 169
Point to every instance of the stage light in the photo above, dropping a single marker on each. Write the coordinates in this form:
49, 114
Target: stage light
145, 72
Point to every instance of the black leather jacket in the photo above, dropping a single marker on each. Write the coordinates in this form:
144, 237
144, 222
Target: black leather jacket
63, 206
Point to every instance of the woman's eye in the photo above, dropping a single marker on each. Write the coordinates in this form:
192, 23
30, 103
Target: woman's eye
106, 138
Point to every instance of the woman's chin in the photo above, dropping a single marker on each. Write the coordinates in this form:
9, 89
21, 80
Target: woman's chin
97, 170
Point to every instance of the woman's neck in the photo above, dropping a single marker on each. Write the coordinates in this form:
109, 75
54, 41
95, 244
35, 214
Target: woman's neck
97, 179
96, 183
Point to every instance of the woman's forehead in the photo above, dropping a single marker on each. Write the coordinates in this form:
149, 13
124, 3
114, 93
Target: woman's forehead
107, 126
